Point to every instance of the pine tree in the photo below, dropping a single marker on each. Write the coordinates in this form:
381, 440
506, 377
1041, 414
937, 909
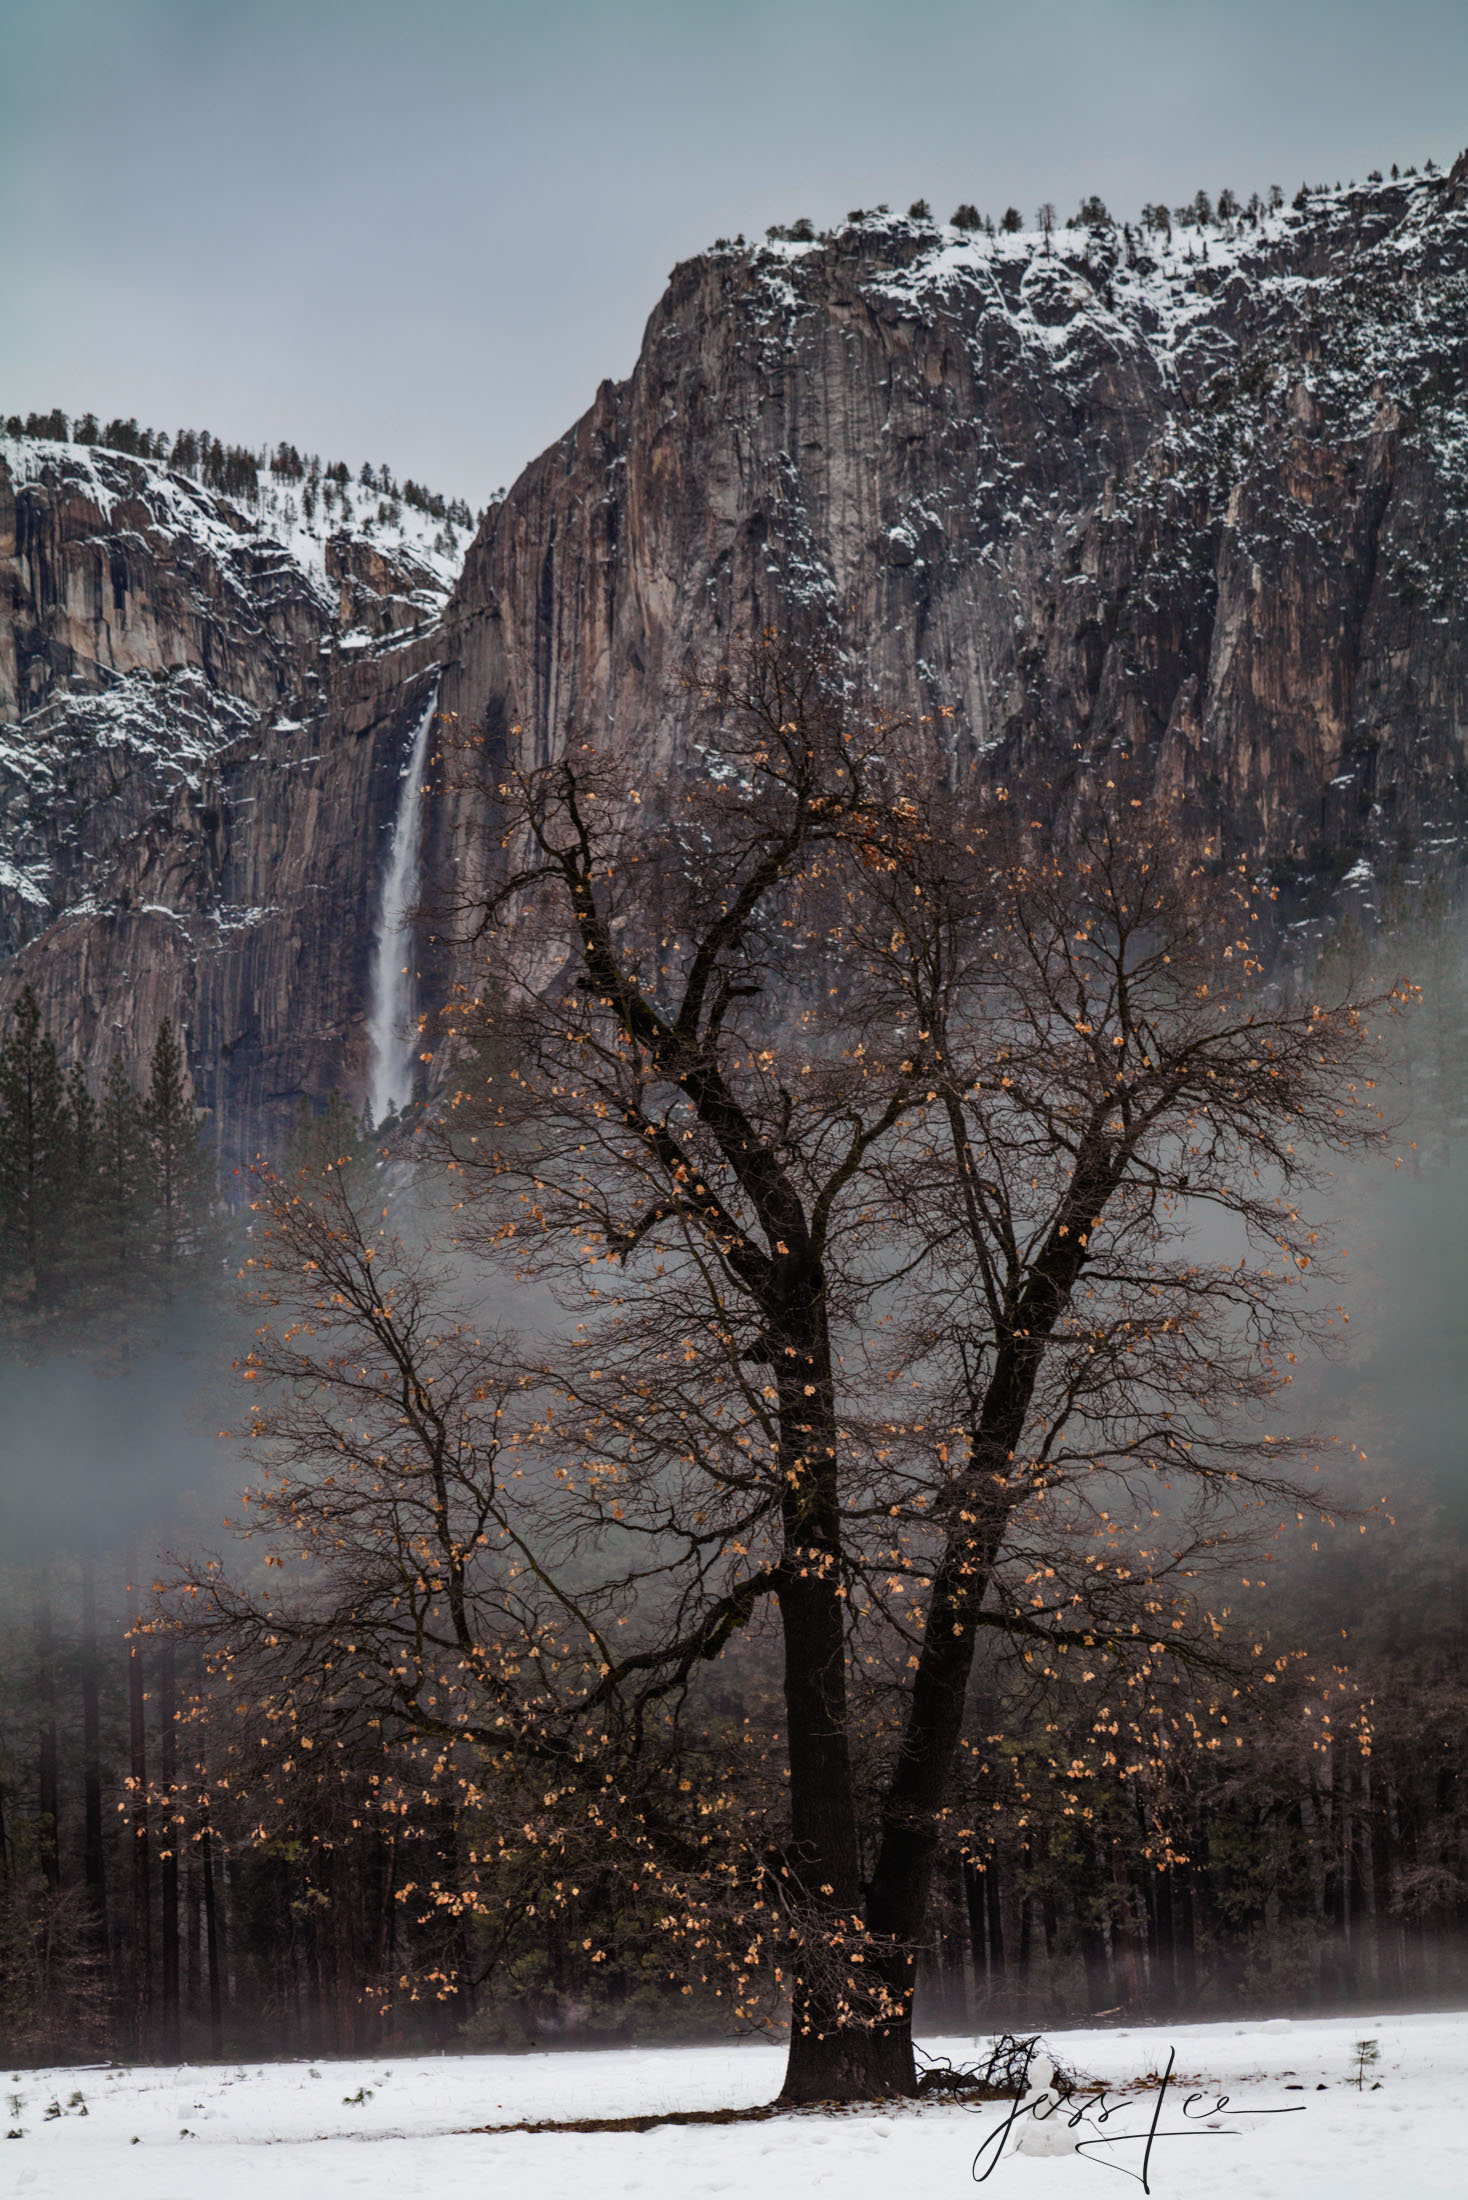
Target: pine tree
79, 1237
35, 1157
121, 1184
178, 1179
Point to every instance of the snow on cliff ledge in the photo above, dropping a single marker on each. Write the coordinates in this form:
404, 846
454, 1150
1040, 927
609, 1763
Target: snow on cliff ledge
278, 515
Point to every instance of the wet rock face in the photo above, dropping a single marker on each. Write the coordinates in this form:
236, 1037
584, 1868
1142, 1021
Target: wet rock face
201, 730
1206, 497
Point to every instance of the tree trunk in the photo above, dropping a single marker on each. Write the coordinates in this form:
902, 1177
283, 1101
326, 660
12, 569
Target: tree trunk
1358, 1900
1164, 1958
1388, 1942
193, 1976
897, 1899
978, 1507
142, 1863
1024, 1955
168, 1871
1342, 1974
973, 1890
1185, 1940
953, 1955
994, 1906
48, 1783
986, 1929
1126, 1954
843, 2046
211, 1939
345, 1955
94, 1856
1414, 1965
830, 2058
1090, 1908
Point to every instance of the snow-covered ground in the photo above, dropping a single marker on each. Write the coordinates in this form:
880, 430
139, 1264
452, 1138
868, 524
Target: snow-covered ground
405, 2128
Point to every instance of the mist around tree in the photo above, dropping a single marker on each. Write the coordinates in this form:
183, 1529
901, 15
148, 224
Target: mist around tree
825, 1486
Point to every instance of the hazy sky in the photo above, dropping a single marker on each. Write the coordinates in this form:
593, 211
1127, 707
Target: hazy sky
425, 232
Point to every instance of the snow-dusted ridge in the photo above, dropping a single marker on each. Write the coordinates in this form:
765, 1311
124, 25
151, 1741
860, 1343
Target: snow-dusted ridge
1132, 287
278, 517
165, 623
205, 696
1193, 354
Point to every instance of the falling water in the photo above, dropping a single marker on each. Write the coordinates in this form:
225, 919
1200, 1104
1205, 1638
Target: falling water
391, 1027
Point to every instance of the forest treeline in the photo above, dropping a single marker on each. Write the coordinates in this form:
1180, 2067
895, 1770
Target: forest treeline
235, 469
1228, 214
1283, 1861
358, 1782
105, 1194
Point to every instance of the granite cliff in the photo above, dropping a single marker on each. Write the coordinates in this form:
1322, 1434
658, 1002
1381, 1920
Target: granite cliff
1205, 494
203, 719
1201, 493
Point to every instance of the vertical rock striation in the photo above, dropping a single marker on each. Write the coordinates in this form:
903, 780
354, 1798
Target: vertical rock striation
1202, 497
199, 773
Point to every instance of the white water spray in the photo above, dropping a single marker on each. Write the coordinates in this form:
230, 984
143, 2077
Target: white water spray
391, 1028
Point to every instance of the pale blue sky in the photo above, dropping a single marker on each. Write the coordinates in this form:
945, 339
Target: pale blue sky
424, 233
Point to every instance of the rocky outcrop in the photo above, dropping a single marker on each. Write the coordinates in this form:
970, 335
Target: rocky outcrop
197, 781
1205, 496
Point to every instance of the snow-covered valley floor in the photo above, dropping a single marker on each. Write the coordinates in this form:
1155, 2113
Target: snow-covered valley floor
402, 2129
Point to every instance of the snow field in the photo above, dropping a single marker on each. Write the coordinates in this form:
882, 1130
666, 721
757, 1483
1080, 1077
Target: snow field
404, 2127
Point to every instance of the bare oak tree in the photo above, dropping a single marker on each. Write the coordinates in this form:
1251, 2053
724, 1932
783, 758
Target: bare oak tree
859, 1135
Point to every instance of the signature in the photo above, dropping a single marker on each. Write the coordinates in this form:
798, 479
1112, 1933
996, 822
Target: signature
1094, 2111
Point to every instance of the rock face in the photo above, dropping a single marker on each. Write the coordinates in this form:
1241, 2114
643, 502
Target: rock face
1204, 496
199, 772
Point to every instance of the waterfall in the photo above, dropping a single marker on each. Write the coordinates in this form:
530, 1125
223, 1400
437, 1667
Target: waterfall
392, 1030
